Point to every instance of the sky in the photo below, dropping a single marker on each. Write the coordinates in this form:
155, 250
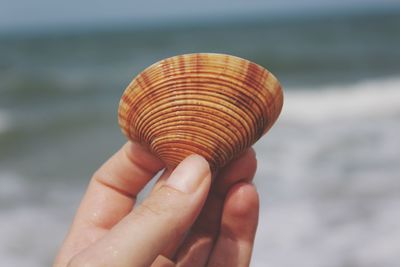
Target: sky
37, 14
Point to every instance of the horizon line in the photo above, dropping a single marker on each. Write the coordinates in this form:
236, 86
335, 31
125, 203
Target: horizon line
195, 21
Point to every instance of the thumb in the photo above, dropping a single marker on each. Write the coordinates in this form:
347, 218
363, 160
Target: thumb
167, 213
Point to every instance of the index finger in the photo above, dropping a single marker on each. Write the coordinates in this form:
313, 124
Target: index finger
114, 186
110, 196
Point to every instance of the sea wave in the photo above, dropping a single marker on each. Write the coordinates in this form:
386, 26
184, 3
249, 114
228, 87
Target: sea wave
298, 229
25, 236
32, 222
365, 99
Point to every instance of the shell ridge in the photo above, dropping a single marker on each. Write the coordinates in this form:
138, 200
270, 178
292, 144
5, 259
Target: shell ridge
212, 104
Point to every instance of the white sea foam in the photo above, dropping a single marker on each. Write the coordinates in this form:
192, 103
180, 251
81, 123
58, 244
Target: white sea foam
29, 236
369, 98
295, 234
31, 226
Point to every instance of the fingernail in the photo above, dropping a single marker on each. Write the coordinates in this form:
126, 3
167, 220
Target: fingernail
189, 174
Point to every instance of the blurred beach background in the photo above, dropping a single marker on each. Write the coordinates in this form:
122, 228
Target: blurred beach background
329, 170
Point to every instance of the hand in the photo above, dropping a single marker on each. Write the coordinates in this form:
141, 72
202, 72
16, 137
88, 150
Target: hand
183, 222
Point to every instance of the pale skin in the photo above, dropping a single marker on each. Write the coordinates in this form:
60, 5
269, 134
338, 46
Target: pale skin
188, 219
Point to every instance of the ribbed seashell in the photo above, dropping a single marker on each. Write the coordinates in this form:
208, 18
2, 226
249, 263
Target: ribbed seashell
214, 105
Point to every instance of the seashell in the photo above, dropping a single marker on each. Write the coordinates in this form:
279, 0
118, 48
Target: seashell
214, 105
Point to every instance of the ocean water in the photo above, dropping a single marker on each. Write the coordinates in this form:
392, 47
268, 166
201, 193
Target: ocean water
329, 170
